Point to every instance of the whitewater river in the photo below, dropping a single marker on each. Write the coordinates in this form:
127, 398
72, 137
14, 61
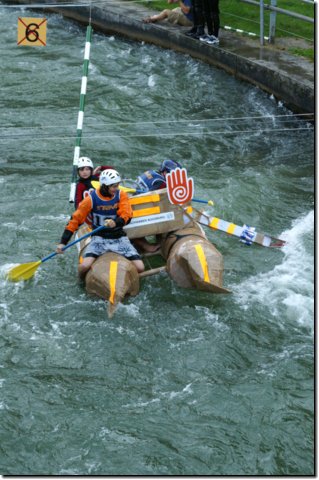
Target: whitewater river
179, 382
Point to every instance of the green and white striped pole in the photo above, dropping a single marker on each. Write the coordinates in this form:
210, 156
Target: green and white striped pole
81, 112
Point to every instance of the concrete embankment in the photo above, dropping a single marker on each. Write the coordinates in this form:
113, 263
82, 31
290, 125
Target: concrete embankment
289, 78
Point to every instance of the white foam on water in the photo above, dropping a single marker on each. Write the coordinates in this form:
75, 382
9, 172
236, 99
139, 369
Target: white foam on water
131, 309
125, 89
125, 331
116, 436
288, 289
151, 81
141, 404
146, 59
212, 318
170, 395
4, 282
61, 217
188, 390
4, 313
18, 227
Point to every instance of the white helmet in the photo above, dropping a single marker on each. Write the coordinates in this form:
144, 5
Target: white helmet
109, 177
85, 162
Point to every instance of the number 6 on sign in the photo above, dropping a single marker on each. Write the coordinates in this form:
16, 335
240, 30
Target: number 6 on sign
32, 31
180, 188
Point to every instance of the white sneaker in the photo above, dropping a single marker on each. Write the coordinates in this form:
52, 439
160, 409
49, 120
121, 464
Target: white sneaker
204, 38
212, 40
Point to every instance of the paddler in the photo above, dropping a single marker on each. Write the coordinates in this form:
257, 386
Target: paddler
108, 206
87, 173
156, 179
149, 181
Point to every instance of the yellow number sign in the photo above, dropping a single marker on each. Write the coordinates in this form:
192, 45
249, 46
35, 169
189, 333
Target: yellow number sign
32, 32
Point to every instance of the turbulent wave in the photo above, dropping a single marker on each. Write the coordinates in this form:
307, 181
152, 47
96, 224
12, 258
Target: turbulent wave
179, 382
288, 289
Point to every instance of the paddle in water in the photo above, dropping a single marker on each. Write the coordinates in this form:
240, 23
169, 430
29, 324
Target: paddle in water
25, 271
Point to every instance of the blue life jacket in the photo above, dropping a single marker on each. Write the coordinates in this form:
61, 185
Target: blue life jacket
104, 209
151, 180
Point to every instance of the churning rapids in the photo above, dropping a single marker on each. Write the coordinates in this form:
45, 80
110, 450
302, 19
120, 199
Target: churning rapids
179, 382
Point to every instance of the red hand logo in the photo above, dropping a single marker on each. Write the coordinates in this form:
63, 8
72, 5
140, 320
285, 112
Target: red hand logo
179, 187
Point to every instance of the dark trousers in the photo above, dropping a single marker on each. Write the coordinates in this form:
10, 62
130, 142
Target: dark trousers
198, 13
211, 16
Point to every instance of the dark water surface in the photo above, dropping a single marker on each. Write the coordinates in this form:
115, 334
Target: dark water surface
179, 382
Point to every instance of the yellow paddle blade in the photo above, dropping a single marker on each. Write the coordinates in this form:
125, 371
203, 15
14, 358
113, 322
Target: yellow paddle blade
23, 271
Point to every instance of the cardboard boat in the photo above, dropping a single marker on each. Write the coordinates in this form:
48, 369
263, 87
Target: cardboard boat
189, 258
192, 261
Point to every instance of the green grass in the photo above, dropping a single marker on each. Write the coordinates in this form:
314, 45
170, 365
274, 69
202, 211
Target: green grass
235, 12
303, 52
240, 15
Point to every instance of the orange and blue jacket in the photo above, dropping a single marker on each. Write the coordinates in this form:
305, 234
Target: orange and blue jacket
117, 208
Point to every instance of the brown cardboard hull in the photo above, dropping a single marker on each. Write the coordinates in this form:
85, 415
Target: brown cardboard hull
112, 277
192, 261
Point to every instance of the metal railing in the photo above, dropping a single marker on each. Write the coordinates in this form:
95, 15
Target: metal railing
272, 17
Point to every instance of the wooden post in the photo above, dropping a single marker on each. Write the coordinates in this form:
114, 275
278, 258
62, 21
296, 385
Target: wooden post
153, 271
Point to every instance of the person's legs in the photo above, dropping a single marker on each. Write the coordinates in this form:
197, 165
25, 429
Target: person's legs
212, 18
208, 15
94, 249
183, 21
194, 27
85, 266
191, 31
124, 247
215, 17
143, 244
199, 20
157, 18
139, 265
98, 246
177, 17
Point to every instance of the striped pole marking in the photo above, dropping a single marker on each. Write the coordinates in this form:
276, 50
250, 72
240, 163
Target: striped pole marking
238, 30
79, 126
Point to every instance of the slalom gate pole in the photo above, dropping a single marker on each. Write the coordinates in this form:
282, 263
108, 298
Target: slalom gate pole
81, 112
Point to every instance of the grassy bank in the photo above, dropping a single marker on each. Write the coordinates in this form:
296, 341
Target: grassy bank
239, 15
